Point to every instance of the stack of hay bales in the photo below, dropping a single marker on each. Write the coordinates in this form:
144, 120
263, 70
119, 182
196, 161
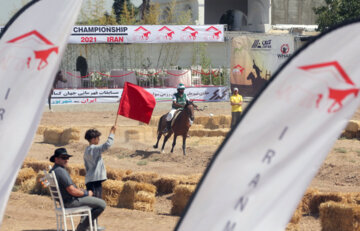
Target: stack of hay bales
352, 130
337, 216
139, 196
25, 174
79, 181
182, 194
56, 135
112, 191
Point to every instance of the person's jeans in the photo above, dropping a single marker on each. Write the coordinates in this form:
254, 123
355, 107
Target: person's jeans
97, 207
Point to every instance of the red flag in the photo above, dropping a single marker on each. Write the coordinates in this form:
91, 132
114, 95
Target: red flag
136, 103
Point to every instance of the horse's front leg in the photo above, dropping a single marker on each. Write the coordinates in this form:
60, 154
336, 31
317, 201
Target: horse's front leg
165, 139
158, 139
174, 143
184, 144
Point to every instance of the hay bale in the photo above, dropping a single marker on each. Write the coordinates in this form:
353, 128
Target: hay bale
135, 192
352, 198
182, 194
28, 185
335, 216
146, 177
131, 135
116, 174
189, 180
305, 202
166, 184
353, 126
143, 206
70, 135
52, 135
79, 181
24, 174
348, 135
40, 130
37, 165
76, 169
319, 198
211, 123
111, 192
292, 227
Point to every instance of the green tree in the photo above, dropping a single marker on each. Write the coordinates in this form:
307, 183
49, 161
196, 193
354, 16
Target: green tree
92, 12
335, 12
127, 17
118, 6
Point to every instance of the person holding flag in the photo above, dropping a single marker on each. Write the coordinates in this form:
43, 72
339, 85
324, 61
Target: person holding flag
94, 163
179, 100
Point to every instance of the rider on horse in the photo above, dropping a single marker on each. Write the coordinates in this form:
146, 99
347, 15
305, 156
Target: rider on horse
179, 100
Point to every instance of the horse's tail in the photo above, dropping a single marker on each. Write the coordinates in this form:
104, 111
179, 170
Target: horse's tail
159, 124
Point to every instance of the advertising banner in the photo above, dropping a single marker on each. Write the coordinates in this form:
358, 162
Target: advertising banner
255, 58
86, 96
146, 34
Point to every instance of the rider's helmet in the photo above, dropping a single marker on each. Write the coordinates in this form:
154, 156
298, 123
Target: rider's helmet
181, 86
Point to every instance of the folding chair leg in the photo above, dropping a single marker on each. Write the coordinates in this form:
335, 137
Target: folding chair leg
72, 223
90, 221
65, 226
58, 222
95, 225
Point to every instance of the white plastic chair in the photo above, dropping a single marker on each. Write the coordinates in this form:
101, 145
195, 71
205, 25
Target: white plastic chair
61, 212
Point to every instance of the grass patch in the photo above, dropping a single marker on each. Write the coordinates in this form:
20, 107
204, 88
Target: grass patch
119, 156
340, 150
155, 159
142, 162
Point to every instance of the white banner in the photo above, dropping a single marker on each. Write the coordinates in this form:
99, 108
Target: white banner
147, 34
261, 171
30, 53
86, 96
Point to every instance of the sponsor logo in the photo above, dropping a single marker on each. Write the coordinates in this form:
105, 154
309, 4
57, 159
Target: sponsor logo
285, 51
215, 33
166, 33
191, 33
261, 44
326, 86
141, 33
28, 51
238, 69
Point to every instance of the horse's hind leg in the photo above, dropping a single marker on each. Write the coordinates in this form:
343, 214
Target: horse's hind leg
173, 144
184, 144
158, 139
163, 146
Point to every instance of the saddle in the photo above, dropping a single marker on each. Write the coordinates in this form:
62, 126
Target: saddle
176, 114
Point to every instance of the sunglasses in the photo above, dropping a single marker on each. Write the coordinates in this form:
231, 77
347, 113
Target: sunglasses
64, 157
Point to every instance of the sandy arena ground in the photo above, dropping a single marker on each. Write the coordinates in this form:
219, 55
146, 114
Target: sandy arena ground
340, 172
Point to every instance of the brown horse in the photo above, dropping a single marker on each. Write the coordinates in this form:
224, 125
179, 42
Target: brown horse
180, 127
59, 77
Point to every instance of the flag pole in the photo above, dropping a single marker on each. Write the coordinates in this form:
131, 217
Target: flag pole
117, 115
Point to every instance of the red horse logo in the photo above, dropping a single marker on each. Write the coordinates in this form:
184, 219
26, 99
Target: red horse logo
193, 32
28, 41
337, 96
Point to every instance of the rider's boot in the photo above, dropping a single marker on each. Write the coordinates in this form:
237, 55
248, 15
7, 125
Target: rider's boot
168, 127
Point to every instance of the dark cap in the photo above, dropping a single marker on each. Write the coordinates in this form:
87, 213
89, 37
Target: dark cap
59, 152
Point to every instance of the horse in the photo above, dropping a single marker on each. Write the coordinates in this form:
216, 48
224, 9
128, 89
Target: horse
180, 127
59, 77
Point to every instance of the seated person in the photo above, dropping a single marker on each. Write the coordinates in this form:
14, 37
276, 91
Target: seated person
72, 196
